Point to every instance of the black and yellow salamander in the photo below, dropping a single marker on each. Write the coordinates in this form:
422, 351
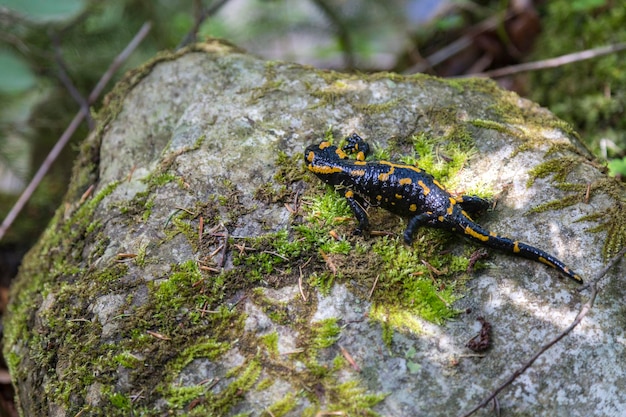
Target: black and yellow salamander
409, 192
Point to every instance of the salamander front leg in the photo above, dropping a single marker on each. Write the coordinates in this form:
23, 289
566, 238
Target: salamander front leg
414, 223
359, 212
358, 145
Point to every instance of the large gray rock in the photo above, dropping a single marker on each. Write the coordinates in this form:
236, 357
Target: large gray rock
198, 276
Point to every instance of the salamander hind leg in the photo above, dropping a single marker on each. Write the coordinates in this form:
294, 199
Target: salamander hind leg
474, 205
414, 223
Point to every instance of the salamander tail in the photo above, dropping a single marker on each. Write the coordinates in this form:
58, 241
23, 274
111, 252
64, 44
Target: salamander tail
478, 234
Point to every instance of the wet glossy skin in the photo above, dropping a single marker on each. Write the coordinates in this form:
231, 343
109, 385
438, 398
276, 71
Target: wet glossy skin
409, 192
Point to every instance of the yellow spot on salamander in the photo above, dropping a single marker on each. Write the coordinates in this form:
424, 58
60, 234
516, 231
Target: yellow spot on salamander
324, 145
440, 218
323, 169
424, 187
384, 176
349, 194
360, 163
357, 172
451, 206
438, 184
412, 207
493, 234
573, 275
341, 154
475, 234
310, 156
405, 181
391, 164
463, 212
379, 197
360, 156
398, 196
516, 248
547, 262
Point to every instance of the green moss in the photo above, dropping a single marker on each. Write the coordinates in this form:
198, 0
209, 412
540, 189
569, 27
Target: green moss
127, 360
328, 96
140, 259
120, 401
416, 280
111, 274
612, 220
271, 342
180, 397
557, 168
246, 377
373, 108
443, 158
204, 347
497, 126
281, 407
326, 333
352, 399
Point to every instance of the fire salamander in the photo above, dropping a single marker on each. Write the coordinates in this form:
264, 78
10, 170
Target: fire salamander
409, 192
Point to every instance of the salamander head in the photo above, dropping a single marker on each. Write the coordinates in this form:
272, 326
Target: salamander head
323, 153
322, 160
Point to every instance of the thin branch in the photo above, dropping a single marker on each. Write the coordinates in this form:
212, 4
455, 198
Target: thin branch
581, 314
204, 13
65, 137
552, 62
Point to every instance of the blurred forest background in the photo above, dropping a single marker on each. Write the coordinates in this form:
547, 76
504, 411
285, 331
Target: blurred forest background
54, 52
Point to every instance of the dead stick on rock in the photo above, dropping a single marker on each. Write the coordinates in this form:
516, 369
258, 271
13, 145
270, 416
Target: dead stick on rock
65, 137
581, 314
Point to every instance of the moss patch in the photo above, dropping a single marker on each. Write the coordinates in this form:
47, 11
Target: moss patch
611, 220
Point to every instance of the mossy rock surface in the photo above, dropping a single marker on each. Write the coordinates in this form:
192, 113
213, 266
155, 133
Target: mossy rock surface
196, 269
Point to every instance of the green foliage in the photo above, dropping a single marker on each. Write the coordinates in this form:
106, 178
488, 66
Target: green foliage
16, 76
618, 167
42, 10
589, 94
